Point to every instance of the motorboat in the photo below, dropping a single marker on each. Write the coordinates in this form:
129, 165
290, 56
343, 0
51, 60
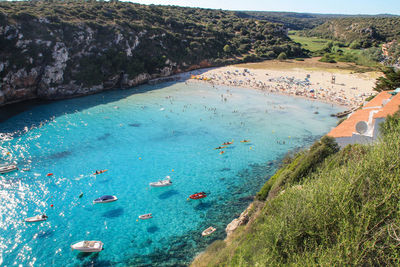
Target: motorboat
8, 168
37, 218
198, 195
146, 216
105, 199
208, 231
161, 183
88, 246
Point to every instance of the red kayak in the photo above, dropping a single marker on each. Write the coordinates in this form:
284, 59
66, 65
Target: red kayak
198, 195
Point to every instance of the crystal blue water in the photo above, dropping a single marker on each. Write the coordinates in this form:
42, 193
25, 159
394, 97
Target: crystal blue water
169, 129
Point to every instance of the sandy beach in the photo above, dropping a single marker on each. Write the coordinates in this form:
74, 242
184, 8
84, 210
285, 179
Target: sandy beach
340, 87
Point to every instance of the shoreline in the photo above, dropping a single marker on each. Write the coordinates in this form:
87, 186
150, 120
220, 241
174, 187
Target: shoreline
344, 89
271, 76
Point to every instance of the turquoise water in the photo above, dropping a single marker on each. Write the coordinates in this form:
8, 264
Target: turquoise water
141, 135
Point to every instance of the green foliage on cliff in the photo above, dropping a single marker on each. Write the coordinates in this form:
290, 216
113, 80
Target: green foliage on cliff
299, 167
390, 80
107, 39
343, 213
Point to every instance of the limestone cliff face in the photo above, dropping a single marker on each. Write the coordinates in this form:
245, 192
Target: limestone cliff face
51, 60
60, 49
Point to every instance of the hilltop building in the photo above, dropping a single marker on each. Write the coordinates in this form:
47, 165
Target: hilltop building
362, 126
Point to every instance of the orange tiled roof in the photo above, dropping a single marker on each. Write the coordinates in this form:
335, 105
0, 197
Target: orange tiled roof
348, 127
377, 100
390, 108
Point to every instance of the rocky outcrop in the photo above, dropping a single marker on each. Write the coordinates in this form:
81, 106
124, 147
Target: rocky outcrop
242, 220
76, 59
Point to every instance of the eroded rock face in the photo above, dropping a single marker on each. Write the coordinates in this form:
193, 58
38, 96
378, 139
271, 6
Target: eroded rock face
47, 61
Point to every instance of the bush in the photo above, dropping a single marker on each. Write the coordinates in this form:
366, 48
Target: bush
282, 56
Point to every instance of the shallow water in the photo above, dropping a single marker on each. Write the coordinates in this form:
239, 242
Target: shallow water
169, 129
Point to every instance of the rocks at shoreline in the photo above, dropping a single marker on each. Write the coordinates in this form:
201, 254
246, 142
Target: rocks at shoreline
242, 220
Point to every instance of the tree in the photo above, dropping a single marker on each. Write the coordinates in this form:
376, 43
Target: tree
227, 49
390, 80
282, 56
355, 45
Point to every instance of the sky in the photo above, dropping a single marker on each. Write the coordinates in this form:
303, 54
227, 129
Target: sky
371, 7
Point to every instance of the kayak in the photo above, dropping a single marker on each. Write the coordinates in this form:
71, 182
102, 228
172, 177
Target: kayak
146, 216
227, 143
99, 172
198, 195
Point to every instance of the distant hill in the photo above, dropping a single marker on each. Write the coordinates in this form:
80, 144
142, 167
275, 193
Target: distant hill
300, 21
368, 31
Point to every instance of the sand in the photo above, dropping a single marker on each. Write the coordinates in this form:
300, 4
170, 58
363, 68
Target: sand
339, 87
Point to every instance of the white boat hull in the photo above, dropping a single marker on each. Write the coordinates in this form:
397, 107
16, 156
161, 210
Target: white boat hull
37, 218
157, 184
105, 201
8, 169
162, 183
88, 246
208, 231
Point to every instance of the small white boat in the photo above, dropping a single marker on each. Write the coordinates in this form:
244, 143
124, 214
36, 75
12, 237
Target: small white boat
146, 216
88, 246
7, 168
37, 218
161, 183
105, 199
208, 231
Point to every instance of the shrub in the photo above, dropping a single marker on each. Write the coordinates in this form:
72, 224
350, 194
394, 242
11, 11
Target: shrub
282, 56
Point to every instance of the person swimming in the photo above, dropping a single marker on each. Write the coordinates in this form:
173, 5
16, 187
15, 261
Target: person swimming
220, 147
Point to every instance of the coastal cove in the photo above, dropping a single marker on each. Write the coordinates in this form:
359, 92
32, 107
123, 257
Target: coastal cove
141, 135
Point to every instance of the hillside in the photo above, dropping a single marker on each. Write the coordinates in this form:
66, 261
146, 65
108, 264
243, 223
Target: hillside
63, 49
367, 31
324, 207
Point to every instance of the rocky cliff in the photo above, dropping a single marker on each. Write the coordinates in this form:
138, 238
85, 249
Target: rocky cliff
60, 50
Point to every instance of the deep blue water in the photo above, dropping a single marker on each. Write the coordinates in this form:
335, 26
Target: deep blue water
141, 135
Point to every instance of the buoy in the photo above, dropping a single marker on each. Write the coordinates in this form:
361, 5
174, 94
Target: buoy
51, 205
49, 174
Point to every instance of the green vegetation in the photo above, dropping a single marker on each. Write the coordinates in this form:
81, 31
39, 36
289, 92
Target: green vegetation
390, 80
298, 167
342, 211
335, 51
101, 33
313, 44
359, 31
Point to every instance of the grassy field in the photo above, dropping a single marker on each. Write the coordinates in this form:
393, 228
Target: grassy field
312, 64
342, 211
311, 43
